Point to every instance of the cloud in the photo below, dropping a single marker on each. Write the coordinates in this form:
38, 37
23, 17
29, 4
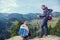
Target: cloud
7, 5
27, 6
56, 8
6, 10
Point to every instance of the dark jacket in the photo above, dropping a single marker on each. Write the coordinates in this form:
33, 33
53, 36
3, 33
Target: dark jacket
46, 13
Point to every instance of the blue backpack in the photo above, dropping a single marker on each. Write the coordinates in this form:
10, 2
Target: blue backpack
22, 32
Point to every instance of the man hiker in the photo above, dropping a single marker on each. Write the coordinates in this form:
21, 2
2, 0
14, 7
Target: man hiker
46, 16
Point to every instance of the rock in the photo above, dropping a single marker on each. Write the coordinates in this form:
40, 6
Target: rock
15, 38
49, 37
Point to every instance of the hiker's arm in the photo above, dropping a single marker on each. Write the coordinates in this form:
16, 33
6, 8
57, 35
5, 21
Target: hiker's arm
39, 16
45, 13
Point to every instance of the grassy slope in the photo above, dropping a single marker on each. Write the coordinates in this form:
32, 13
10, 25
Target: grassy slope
53, 22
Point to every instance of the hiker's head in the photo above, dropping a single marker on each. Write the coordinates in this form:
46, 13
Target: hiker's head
43, 7
23, 22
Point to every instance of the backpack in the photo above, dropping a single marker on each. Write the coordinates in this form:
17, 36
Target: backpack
50, 14
49, 17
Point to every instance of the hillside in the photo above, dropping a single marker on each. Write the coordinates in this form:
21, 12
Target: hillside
6, 21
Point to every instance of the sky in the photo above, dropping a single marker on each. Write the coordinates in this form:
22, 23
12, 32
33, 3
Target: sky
27, 6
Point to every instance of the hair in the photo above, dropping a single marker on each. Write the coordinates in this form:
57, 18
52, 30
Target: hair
43, 5
22, 22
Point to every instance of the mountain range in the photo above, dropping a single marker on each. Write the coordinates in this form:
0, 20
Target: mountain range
17, 16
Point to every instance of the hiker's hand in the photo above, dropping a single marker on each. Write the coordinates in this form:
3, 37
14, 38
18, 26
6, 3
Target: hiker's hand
38, 16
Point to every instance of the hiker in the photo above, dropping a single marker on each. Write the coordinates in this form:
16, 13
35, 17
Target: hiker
47, 15
24, 30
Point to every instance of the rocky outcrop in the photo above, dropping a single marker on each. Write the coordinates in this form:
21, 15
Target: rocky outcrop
49, 37
15, 38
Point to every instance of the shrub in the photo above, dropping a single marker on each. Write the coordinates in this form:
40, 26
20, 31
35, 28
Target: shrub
15, 29
55, 30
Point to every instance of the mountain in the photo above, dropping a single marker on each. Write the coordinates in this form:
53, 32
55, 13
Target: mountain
29, 16
56, 14
17, 16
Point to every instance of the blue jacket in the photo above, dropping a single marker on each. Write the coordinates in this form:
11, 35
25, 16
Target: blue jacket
22, 32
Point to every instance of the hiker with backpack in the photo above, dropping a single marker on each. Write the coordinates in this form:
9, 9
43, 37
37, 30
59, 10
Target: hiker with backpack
47, 15
24, 30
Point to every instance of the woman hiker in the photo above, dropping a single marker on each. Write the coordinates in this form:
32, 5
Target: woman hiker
24, 31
